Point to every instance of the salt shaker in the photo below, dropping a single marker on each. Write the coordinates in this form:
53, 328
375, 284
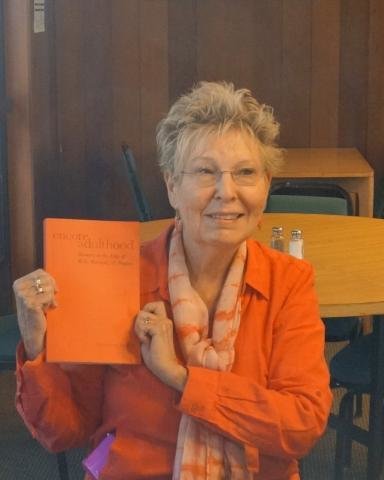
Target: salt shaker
277, 239
296, 244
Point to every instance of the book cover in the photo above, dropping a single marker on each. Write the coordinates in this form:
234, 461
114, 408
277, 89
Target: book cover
96, 267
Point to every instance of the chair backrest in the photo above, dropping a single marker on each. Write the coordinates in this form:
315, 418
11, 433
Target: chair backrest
309, 197
307, 204
9, 338
141, 202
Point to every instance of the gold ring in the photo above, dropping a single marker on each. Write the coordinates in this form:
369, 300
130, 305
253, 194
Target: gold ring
38, 286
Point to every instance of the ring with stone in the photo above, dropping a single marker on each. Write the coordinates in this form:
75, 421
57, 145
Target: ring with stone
147, 321
38, 286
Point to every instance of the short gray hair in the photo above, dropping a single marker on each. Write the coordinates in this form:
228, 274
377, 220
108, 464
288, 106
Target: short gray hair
214, 108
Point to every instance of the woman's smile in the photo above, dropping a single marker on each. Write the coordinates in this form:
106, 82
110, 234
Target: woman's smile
226, 217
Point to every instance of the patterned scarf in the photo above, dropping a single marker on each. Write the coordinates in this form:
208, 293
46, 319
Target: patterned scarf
202, 454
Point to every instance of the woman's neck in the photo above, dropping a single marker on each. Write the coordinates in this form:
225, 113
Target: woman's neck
208, 268
208, 262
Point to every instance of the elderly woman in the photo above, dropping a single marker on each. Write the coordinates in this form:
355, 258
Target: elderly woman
233, 383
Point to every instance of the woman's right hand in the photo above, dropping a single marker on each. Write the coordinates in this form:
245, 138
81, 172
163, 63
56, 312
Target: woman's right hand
35, 294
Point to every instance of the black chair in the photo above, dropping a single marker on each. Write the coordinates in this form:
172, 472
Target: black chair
141, 202
318, 197
9, 339
350, 369
314, 189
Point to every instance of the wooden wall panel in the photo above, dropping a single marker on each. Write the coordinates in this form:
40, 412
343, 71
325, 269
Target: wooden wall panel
325, 71
72, 181
230, 48
106, 72
375, 117
353, 74
88, 115
265, 50
20, 168
218, 54
306, 59
116, 92
98, 101
126, 109
296, 73
154, 97
5, 253
125, 74
44, 126
182, 42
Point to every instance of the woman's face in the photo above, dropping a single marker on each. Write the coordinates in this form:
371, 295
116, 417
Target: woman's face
225, 213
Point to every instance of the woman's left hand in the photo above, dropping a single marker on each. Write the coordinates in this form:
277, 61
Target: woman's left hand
155, 332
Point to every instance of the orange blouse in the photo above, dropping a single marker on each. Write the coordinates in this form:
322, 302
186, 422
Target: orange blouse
275, 401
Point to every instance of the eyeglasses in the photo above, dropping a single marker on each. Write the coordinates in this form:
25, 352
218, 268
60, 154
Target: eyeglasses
207, 176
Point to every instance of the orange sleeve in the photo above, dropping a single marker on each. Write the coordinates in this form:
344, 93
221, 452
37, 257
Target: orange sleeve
60, 405
287, 416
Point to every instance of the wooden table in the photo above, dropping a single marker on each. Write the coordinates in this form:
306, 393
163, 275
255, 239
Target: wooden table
348, 256
344, 166
347, 253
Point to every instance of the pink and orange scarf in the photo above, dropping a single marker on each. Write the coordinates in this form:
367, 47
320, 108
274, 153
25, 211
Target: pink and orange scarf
202, 453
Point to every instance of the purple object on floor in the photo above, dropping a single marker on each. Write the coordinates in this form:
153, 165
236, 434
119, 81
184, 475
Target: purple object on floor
96, 460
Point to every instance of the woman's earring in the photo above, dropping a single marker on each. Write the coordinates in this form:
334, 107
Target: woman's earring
178, 222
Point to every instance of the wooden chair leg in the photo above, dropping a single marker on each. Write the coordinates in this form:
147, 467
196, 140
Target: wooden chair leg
343, 441
62, 466
359, 405
301, 469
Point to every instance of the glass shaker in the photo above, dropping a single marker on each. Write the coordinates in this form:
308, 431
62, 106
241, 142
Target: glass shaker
296, 244
277, 238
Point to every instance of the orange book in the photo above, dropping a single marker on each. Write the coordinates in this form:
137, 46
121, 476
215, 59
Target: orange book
96, 268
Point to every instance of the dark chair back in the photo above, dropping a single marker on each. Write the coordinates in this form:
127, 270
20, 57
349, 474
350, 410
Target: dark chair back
307, 204
301, 196
142, 205
9, 338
